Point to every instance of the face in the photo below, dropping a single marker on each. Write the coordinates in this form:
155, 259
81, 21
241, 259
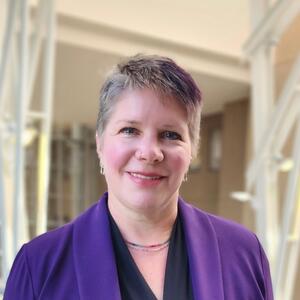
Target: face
145, 151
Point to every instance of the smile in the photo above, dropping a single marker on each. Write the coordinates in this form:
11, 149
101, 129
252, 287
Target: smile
145, 177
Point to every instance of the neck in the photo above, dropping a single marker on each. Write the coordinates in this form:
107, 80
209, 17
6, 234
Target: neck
144, 227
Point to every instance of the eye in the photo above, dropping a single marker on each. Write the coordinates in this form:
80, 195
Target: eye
171, 135
129, 131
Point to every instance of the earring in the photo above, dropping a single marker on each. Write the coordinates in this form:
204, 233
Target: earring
185, 178
101, 168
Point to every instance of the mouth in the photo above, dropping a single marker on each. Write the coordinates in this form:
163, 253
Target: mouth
145, 176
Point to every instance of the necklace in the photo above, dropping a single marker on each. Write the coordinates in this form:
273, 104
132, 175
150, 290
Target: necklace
149, 248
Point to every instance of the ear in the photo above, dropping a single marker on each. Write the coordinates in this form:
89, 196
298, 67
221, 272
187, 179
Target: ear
98, 144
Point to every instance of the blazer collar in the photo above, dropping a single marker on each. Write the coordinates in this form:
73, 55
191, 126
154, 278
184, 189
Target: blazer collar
203, 253
95, 263
94, 255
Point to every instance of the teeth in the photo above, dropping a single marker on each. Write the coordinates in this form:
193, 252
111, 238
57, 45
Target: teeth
145, 177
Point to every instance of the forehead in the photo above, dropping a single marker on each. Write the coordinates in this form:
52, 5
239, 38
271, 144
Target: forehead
146, 102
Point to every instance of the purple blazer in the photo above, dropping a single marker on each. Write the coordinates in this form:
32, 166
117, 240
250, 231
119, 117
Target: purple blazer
77, 260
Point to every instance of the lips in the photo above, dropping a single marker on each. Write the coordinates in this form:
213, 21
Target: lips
146, 176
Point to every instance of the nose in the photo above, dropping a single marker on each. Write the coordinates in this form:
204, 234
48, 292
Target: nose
149, 151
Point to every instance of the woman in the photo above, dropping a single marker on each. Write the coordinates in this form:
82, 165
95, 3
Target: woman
141, 240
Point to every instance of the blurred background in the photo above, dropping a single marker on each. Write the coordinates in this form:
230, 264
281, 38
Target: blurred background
244, 55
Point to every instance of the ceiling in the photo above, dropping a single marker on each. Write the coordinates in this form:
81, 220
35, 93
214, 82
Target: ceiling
205, 37
218, 26
80, 72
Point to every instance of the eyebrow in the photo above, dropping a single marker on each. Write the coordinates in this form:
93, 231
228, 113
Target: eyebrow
129, 121
167, 126
171, 126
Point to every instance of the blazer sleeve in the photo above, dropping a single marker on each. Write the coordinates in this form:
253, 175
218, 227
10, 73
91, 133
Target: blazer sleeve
266, 273
19, 284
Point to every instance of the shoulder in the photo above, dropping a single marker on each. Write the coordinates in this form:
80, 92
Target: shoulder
233, 240
34, 263
223, 229
51, 239
241, 250
49, 255
237, 242
232, 232
240, 253
60, 238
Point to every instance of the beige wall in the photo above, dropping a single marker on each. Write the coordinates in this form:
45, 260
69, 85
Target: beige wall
202, 187
233, 159
210, 189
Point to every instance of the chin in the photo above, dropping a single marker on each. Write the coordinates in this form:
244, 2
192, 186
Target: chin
143, 202
148, 201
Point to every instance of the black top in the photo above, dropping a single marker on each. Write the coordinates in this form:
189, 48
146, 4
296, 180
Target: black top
133, 286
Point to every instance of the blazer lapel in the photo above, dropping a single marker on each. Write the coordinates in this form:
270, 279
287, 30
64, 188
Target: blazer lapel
94, 255
203, 253
95, 263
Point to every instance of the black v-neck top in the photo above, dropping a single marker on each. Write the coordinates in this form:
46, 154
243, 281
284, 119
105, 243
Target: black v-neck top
133, 286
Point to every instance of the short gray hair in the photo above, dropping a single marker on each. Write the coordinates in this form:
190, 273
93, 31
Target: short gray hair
157, 73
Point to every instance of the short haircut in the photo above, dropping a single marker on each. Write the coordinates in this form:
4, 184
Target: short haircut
160, 74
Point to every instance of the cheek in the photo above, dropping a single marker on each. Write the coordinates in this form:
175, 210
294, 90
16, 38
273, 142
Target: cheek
115, 156
180, 160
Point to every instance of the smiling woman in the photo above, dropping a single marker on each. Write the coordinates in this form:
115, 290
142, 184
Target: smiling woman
145, 151
141, 240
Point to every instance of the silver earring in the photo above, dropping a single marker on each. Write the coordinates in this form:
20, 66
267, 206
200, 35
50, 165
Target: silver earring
185, 178
101, 168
